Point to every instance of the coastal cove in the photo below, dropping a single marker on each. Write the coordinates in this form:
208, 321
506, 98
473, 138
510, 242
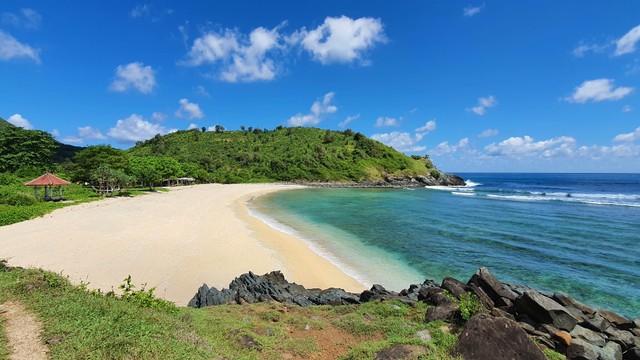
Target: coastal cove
576, 233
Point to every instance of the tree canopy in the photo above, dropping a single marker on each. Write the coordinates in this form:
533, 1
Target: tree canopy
25, 148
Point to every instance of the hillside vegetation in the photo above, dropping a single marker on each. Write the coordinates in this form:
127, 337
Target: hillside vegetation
283, 154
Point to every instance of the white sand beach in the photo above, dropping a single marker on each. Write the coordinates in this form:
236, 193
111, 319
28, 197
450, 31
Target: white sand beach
174, 241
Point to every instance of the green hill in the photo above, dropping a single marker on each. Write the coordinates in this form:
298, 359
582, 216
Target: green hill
4, 124
283, 154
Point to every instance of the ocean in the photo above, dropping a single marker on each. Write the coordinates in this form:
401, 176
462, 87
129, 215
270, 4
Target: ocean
576, 233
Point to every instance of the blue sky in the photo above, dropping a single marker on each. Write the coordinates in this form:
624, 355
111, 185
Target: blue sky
544, 86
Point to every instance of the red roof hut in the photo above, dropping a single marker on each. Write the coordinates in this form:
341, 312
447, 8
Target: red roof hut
48, 181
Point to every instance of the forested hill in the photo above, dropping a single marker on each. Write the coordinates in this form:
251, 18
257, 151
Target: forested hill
4, 124
283, 154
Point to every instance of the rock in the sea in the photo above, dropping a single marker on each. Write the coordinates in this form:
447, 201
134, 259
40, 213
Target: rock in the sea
545, 310
620, 322
567, 301
486, 337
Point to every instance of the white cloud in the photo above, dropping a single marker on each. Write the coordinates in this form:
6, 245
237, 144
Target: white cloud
88, 132
189, 110
55, 133
134, 128
582, 49
401, 141
134, 75
428, 126
446, 148
202, 91
627, 108
527, 146
598, 90
318, 109
158, 116
470, 11
192, 126
342, 39
483, 104
488, 133
243, 58
11, 48
140, 10
627, 43
633, 136
348, 120
19, 121
383, 121
28, 19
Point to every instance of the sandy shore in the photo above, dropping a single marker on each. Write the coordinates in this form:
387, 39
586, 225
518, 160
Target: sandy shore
174, 241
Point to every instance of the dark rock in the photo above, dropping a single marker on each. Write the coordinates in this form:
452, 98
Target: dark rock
597, 323
448, 311
493, 288
636, 323
482, 295
376, 292
434, 296
486, 337
496, 312
545, 310
453, 286
567, 301
401, 352
632, 354
582, 350
247, 342
251, 288
562, 340
620, 322
587, 335
622, 337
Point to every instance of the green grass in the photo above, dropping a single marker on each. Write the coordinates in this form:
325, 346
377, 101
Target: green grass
4, 352
82, 324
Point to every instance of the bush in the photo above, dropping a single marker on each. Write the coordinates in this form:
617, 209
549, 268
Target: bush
20, 199
469, 306
435, 173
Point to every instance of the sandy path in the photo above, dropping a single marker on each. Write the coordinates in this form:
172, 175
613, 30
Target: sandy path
174, 241
23, 332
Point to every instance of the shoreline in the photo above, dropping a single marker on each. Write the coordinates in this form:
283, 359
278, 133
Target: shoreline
173, 241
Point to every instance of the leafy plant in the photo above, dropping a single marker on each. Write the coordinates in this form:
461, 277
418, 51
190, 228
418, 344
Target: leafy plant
143, 298
469, 305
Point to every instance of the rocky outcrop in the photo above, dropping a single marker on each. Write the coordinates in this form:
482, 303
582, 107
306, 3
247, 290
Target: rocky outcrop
402, 181
487, 338
554, 320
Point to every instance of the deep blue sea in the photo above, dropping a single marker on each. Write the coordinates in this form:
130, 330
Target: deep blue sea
576, 233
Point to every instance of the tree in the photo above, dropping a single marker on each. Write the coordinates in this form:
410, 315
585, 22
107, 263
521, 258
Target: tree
219, 129
108, 180
204, 129
146, 170
25, 148
89, 159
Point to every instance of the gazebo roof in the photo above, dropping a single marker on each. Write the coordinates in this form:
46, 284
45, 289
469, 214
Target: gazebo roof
47, 180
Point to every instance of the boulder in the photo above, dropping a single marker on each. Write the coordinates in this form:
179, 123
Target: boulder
545, 310
611, 351
597, 323
563, 338
486, 337
620, 322
496, 290
622, 337
401, 352
567, 301
482, 295
453, 286
434, 296
632, 354
587, 335
447, 311
582, 350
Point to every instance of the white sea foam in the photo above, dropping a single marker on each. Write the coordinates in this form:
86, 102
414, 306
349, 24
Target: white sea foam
463, 193
471, 183
590, 199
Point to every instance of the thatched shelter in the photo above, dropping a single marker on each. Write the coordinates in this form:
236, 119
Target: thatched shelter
48, 181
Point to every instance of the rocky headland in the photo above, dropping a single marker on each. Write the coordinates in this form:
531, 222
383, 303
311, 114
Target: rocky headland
514, 322
389, 181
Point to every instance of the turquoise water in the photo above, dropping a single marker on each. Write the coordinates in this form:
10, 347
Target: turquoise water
559, 232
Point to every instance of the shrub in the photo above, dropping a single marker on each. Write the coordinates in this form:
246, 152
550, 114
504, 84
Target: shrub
435, 173
469, 306
20, 199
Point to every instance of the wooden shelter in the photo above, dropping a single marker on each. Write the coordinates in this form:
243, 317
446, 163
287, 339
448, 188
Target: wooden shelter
48, 181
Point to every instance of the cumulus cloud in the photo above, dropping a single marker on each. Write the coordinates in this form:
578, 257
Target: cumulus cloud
348, 120
134, 128
140, 10
192, 126
483, 104
527, 146
470, 11
383, 121
189, 110
318, 110
627, 43
583, 48
11, 48
598, 90
446, 148
488, 133
84, 133
19, 121
341, 39
632, 136
428, 127
134, 76
158, 116
27, 18
401, 141
242, 58
202, 91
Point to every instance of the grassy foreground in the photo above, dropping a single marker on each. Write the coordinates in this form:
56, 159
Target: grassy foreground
82, 324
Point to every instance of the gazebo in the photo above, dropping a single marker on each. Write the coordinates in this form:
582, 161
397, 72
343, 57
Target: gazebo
48, 181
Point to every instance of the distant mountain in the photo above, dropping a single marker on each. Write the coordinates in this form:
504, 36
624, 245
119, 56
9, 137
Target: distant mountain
4, 124
284, 154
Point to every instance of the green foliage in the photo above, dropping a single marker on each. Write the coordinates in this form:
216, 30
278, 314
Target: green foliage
469, 305
435, 173
92, 157
283, 154
552, 355
143, 298
20, 148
